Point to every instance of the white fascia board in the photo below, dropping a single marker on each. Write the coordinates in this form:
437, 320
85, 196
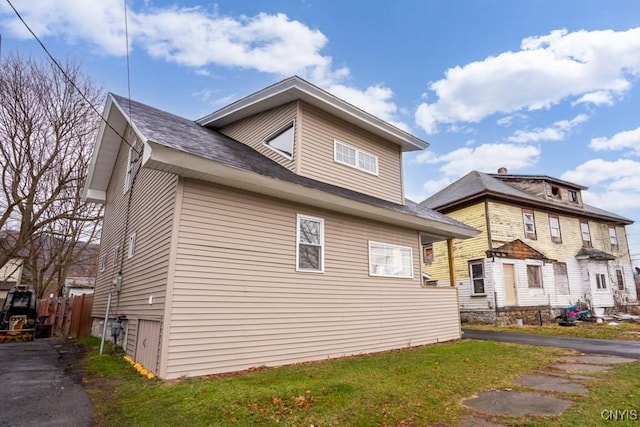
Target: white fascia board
191, 166
295, 88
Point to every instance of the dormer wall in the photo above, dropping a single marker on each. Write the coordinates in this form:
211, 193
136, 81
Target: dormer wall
374, 169
555, 192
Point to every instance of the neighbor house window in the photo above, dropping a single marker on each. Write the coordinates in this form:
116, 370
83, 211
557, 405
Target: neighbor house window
116, 255
573, 196
534, 276
350, 156
427, 253
390, 260
620, 279
282, 140
613, 238
586, 234
103, 262
476, 271
554, 226
310, 244
529, 224
601, 281
131, 248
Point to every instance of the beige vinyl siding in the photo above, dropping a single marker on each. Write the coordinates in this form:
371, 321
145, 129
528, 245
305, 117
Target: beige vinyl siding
238, 301
150, 219
255, 129
320, 129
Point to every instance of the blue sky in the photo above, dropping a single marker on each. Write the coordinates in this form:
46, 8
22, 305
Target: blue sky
540, 87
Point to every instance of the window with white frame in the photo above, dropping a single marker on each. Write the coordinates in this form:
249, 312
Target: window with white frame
282, 140
586, 234
116, 255
601, 281
350, 156
534, 276
529, 224
103, 262
131, 161
310, 244
131, 247
613, 238
476, 271
554, 226
390, 260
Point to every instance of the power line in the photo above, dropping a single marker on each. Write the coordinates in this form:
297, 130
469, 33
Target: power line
64, 73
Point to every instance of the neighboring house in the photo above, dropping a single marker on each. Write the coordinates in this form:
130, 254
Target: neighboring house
10, 275
541, 248
270, 232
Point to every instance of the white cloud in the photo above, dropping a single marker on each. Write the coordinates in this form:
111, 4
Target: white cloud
557, 132
435, 185
629, 139
599, 172
486, 158
594, 66
197, 37
599, 97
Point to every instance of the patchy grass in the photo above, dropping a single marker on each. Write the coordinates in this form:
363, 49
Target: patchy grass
622, 331
412, 387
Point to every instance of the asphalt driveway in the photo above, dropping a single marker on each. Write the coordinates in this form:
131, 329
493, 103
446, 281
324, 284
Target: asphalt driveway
630, 349
40, 386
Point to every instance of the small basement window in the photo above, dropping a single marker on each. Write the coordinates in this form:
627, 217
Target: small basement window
282, 141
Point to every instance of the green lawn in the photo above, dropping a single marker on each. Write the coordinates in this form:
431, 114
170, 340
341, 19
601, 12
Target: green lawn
413, 387
620, 331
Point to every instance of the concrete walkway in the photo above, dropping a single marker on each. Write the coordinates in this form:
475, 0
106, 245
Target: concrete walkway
629, 349
543, 392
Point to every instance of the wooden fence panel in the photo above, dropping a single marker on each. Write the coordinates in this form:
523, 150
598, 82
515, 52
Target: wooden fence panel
67, 316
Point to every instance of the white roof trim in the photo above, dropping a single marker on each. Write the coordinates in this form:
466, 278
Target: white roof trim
295, 88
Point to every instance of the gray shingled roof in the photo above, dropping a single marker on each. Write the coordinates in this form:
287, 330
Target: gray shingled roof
187, 136
477, 184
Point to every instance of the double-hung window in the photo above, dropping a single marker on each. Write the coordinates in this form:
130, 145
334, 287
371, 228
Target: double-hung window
116, 255
476, 271
613, 238
554, 226
358, 159
529, 224
131, 161
131, 248
620, 279
601, 281
310, 244
390, 260
586, 234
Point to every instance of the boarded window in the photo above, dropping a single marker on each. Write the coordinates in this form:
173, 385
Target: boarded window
561, 278
529, 224
476, 269
534, 276
554, 226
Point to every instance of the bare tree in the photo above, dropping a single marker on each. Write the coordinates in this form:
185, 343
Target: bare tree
46, 131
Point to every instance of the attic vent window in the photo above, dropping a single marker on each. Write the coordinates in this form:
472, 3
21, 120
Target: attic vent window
555, 192
573, 196
282, 141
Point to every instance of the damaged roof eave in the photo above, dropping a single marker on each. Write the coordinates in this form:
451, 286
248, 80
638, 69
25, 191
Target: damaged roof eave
191, 166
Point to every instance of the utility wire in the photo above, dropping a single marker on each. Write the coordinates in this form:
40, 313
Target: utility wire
64, 73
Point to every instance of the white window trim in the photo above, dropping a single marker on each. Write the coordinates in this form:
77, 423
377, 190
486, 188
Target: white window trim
276, 133
103, 262
128, 177
358, 152
604, 282
116, 255
484, 279
131, 247
322, 248
395, 276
